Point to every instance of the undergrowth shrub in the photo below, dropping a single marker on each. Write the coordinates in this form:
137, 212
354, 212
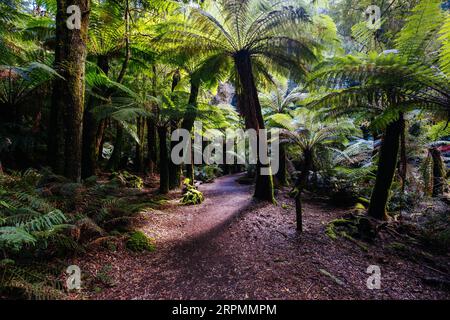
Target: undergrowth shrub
346, 185
44, 216
191, 195
126, 179
207, 173
139, 242
404, 200
30, 226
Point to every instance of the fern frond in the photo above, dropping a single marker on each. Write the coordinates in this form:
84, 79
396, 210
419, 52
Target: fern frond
420, 29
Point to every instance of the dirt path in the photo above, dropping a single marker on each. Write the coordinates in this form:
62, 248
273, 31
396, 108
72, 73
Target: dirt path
231, 247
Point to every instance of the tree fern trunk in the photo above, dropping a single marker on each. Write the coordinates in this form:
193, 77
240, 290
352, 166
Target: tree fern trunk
188, 123
250, 108
89, 152
299, 211
139, 158
386, 169
91, 127
163, 161
100, 138
152, 131
55, 141
403, 158
174, 169
438, 172
151, 146
282, 174
301, 184
114, 161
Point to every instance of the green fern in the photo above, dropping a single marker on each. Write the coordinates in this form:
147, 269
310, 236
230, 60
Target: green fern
420, 29
445, 50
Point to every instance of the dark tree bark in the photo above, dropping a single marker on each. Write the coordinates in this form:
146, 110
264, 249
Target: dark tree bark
89, 152
438, 173
139, 159
386, 169
114, 161
403, 170
299, 211
55, 142
68, 94
100, 138
91, 127
188, 123
175, 79
152, 131
250, 108
151, 146
281, 175
174, 170
163, 161
301, 184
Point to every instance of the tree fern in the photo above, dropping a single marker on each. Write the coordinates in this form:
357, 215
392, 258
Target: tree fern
420, 29
445, 49
14, 238
25, 215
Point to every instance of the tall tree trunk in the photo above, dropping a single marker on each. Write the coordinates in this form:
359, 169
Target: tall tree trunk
55, 141
68, 94
100, 138
66, 114
386, 169
403, 158
250, 108
163, 161
114, 161
139, 160
91, 127
281, 175
89, 159
174, 169
152, 131
301, 184
188, 123
438, 172
151, 146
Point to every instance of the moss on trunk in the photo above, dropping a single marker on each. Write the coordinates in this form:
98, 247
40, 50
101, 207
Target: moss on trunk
438, 172
68, 94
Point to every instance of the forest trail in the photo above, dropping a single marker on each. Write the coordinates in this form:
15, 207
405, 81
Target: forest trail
232, 247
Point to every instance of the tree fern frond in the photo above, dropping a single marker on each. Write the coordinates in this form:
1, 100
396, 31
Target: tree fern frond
444, 57
420, 28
